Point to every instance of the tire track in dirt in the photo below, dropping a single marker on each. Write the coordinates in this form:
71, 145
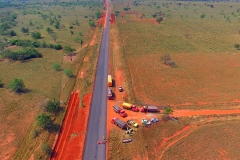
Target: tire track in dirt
190, 129
60, 145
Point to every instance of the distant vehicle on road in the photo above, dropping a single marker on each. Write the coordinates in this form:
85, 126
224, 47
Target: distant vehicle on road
149, 109
130, 106
119, 123
120, 111
120, 89
132, 123
109, 81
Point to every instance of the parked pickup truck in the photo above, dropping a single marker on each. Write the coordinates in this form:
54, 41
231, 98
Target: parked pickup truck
119, 123
149, 109
120, 111
130, 106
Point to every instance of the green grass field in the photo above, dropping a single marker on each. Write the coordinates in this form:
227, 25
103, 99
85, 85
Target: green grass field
42, 82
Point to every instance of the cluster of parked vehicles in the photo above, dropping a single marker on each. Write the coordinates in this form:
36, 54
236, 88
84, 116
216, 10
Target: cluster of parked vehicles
128, 106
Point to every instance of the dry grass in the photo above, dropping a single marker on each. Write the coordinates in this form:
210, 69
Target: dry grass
206, 76
205, 73
212, 141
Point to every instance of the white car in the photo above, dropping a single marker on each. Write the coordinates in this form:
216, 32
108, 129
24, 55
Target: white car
144, 121
154, 120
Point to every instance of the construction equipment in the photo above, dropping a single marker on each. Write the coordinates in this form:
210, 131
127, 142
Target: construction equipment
149, 109
132, 123
109, 80
130, 106
120, 111
119, 123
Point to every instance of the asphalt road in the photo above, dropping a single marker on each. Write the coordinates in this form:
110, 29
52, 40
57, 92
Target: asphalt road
98, 112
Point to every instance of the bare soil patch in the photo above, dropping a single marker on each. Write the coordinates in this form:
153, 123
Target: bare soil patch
71, 140
113, 18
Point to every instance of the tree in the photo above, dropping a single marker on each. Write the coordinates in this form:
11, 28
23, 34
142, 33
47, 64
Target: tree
98, 14
17, 85
49, 30
52, 106
54, 37
203, 15
56, 66
237, 46
46, 148
154, 15
12, 33
71, 33
24, 30
68, 72
167, 60
168, 110
1, 84
36, 35
181, 15
92, 24
81, 42
160, 19
44, 121
68, 50
80, 34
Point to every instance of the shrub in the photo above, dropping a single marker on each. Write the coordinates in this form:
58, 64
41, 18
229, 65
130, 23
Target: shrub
56, 66
1, 84
36, 35
46, 148
68, 72
237, 46
17, 85
203, 15
44, 121
21, 55
52, 106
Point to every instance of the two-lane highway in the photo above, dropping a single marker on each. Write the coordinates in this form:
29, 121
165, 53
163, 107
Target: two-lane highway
98, 112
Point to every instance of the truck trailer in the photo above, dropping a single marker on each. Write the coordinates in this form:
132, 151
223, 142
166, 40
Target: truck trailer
149, 109
119, 123
109, 81
120, 111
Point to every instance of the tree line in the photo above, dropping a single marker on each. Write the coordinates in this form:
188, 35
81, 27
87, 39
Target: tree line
35, 44
22, 55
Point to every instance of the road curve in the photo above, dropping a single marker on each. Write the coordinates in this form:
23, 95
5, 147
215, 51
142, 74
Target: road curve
98, 112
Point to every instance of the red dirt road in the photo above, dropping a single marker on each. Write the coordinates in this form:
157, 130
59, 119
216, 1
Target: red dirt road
70, 142
182, 113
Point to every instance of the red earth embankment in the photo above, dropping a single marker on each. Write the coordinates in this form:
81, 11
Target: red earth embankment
70, 142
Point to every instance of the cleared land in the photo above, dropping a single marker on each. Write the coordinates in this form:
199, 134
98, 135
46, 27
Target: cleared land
200, 38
